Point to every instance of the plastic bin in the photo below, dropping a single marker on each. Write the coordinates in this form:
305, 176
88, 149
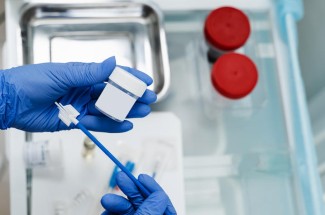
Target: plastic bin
254, 157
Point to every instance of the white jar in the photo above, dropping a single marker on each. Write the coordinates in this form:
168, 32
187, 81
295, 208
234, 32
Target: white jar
121, 92
44, 153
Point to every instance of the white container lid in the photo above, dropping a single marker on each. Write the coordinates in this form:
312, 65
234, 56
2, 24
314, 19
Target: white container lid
128, 81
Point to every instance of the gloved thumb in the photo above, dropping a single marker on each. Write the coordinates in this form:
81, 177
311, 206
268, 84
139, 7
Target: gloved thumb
155, 204
87, 74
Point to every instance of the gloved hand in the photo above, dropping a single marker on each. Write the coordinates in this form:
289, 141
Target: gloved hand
156, 204
28, 94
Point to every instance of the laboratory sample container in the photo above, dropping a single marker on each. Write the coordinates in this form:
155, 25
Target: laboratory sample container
121, 92
89, 148
234, 75
43, 154
226, 29
233, 83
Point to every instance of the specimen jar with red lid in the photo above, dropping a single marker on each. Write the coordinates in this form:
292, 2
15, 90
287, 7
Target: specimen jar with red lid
226, 29
234, 75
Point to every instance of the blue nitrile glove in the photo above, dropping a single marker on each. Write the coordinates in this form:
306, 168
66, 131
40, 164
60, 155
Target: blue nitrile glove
28, 94
156, 204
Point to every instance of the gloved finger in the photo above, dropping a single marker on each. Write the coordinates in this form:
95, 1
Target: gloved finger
96, 90
149, 183
105, 124
139, 110
92, 110
152, 187
85, 74
115, 204
129, 189
141, 75
148, 97
155, 204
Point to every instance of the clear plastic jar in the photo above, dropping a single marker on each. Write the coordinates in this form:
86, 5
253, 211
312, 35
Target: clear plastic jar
226, 29
234, 75
219, 95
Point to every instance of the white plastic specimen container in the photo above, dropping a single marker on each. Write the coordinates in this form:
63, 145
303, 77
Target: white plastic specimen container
121, 92
43, 153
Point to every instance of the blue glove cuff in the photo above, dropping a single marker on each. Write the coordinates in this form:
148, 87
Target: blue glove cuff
8, 102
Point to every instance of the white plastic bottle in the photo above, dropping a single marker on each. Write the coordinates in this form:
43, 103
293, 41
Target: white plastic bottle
121, 92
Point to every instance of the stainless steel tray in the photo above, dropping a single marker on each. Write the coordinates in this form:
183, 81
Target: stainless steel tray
131, 31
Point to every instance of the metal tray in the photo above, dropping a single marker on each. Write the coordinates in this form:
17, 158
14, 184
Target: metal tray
131, 31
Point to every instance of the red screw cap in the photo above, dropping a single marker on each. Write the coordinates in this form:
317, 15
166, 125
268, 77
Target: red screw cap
234, 75
227, 28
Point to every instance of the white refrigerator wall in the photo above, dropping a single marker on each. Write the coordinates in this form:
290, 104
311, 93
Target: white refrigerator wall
311, 47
